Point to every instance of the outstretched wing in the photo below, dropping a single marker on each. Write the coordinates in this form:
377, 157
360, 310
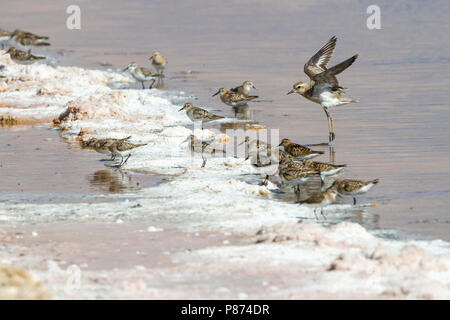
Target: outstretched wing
328, 77
318, 62
236, 89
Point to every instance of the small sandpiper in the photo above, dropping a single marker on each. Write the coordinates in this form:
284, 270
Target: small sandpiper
322, 199
244, 88
142, 74
102, 145
121, 148
198, 145
28, 39
5, 36
199, 114
295, 174
21, 33
326, 169
256, 146
158, 61
324, 88
233, 99
299, 151
202, 146
353, 188
22, 56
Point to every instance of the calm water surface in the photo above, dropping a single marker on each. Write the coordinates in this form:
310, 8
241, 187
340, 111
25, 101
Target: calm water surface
398, 132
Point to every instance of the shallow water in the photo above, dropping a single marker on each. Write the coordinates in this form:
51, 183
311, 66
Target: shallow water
38, 166
398, 132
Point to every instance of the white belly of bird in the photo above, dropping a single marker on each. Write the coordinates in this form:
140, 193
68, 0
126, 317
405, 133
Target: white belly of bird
329, 99
159, 66
331, 172
309, 156
363, 190
237, 104
191, 116
103, 151
4, 38
140, 77
295, 182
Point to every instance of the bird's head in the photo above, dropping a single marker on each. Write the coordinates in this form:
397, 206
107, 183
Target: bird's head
248, 85
130, 66
187, 106
285, 142
299, 87
91, 142
222, 91
155, 55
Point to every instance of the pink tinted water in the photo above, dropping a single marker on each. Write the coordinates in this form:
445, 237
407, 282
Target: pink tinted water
399, 130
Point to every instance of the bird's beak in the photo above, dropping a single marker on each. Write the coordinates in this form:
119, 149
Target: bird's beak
215, 94
125, 69
254, 87
292, 91
241, 143
151, 58
181, 109
280, 144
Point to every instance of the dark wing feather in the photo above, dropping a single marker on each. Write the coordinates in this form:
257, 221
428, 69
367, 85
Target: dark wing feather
200, 113
236, 89
328, 77
318, 62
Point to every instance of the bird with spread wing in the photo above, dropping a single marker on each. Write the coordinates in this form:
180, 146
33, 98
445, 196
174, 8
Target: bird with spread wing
324, 87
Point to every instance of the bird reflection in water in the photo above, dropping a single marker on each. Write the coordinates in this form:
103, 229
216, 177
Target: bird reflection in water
243, 112
159, 84
113, 181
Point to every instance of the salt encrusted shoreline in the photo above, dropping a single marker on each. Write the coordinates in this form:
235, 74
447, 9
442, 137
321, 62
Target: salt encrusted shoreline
308, 259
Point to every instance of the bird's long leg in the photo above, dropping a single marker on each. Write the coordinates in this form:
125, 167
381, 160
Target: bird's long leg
204, 161
328, 117
143, 86
331, 134
297, 192
321, 213
332, 154
151, 85
126, 159
266, 180
354, 200
121, 160
332, 130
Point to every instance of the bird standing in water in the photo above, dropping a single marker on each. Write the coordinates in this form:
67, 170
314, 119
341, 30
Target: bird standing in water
323, 87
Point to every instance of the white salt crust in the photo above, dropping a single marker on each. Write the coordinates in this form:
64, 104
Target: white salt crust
342, 260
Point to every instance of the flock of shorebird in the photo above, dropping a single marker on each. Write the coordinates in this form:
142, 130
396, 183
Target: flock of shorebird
294, 163
26, 40
295, 167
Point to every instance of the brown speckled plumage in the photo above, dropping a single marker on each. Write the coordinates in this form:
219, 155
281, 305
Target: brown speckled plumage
233, 98
20, 55
198, 114
323, 198
353, 188
297, 150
